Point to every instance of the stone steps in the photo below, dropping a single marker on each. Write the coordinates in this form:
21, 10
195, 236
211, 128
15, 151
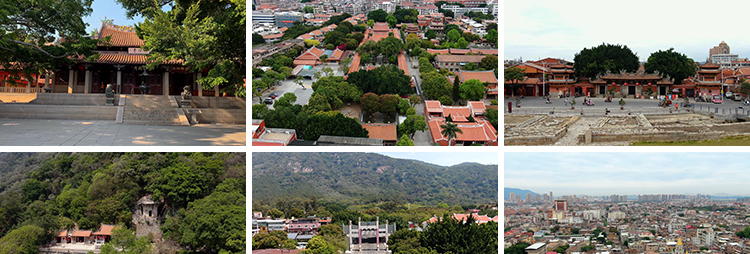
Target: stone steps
150, 110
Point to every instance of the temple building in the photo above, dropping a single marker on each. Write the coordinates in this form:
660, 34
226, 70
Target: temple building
368, 237
639, 84
121, 62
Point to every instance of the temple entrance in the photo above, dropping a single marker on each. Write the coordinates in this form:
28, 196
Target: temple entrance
662, 90
690, 92
631, 90
100, 81
178, 80
602, 90
578, 91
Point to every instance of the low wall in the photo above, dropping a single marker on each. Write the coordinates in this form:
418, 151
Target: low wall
658, 136
71, 99
17, 97
218, 102
225, 116
62, 112
530, 141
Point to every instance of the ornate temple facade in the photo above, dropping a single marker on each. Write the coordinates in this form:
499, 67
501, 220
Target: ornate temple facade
368, 237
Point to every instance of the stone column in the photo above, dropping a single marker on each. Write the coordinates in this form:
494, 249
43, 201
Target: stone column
28, 84
199, 85
71, 80
46, 81
87, 79
216, 91
165, 81
119, 77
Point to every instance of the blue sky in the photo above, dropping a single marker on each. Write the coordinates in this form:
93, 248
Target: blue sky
110, 9
599, 174
560, 29
447, 159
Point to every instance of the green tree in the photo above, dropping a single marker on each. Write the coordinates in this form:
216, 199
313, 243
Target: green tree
403, 106
29, 28
472, 90
370, 22
179, 184
270, 240
23, 240
318, 103
386, 79
344, 64
518, 248
404, 141
391, 21
513, 74
450, 235
378, 15
470, 67
672, 63
745, 88
216, 222
370, 103
259, 110
204, 35
430, 34
312, 43
275, 213
491, 36
330, 229
489, 62
561, 248
286, 100
453, 35
456, 90
603, 58
449, 130
414, 100
461, 43
435, 85
412, 124
390, 46
258, 39
337, 87
404, 240
333, 123
388, 103
125, 241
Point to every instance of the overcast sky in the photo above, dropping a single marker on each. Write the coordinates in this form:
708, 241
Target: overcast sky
600, 174
447, 159
560, 29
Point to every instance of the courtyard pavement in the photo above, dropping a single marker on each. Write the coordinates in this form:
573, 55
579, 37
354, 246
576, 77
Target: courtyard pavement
35, 132
537, 105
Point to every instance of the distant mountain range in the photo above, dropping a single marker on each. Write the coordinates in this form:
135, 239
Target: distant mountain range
370, 177
518, 192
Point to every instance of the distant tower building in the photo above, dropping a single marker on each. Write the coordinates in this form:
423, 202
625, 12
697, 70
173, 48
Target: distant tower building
520, 202
561, 205
551, 196
529, 197
723, 48
678, 249
512, 196
146, 217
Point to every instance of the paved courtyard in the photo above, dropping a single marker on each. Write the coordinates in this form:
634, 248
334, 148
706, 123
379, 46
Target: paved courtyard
34, 132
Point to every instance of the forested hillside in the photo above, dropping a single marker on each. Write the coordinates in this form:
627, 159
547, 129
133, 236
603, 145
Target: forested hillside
370, 178
42, 193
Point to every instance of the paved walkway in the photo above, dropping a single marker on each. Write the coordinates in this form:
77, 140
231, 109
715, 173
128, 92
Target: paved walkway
579, 127
34, 132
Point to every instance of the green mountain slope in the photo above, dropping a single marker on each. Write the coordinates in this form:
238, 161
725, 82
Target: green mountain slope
368, 177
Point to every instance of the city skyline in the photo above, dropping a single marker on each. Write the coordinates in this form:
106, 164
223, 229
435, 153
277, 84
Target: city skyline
560, 29
604, 174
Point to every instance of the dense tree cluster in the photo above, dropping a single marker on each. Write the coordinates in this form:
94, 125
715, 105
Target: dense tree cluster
674, 64
603, 58
386, 79
372, 177
447, 236
58, 191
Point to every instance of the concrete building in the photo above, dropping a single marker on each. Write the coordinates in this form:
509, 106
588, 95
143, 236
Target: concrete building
561, 205
723, 48
460, 11
368, 237
287, 19
537, 248
616, 215
263, 18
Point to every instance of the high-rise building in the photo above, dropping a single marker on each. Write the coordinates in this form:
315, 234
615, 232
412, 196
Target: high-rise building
512, 196
723, 48
561, 205
529, 197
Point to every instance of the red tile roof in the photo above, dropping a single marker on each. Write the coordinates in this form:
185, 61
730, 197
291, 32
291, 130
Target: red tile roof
438, 51
380, 27
484, 76
402, 63
459, 51
485, 51
385, 132
129, 59
336, 55
106, 230
63, 233
82, 233
120, 38
459, 58
355, 63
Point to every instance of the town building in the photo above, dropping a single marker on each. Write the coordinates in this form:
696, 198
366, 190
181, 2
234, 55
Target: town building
304, 226
146, 217
368, 237
537, 248
386, 132
456, 62
460, 11
723, 48
263, 18
287, 19
478, 131
263, 136
561, 205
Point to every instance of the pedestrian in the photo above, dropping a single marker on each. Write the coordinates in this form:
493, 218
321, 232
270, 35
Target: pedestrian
675, 105
566, 101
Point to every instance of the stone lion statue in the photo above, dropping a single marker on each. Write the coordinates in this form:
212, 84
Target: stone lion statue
109, 91
186, 93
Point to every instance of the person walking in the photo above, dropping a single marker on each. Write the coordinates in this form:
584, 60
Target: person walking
566, 101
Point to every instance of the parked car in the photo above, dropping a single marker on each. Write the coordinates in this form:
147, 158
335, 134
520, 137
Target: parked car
274, 95
737, 97
717, 99
728, 95
268, 100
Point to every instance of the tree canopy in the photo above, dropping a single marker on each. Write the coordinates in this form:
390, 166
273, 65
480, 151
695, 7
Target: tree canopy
672, 63
333, 123
386, 79
472, 90
205, 34
435, 85
603, 58
378, 15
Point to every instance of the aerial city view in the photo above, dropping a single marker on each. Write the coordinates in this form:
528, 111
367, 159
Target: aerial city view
375, 72
630, 203
148, 203
122, 73
570, 81
370, 203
